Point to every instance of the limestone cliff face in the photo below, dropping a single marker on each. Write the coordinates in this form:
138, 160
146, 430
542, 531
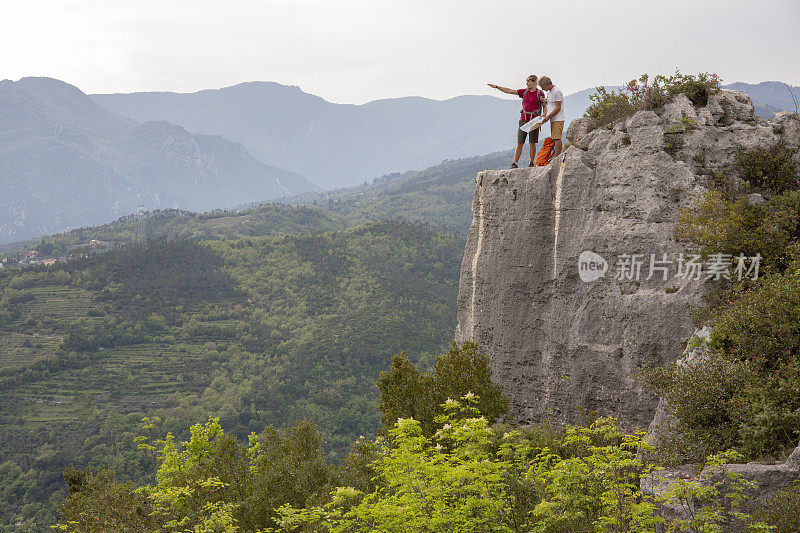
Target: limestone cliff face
562, 347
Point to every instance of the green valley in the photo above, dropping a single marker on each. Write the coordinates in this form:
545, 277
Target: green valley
263, 330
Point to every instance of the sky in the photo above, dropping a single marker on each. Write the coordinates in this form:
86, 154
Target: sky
355, 51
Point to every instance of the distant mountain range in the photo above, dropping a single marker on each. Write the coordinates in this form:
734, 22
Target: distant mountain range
770, 97
338, 145
66, 161
335, 145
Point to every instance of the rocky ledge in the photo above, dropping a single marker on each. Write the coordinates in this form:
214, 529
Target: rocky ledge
563, 344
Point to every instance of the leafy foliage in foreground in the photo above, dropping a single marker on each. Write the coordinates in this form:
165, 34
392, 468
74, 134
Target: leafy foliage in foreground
465, 477
210, 481
213, 481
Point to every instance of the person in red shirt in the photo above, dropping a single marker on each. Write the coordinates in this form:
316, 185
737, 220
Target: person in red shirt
533, 104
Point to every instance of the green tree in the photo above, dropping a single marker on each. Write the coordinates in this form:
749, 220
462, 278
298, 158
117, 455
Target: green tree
597, 488
447, 482
407, 393
287, 468
97, 502
455, 481
211, 482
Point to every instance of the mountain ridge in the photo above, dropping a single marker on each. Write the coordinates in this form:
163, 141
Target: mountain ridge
67, 161
344, 144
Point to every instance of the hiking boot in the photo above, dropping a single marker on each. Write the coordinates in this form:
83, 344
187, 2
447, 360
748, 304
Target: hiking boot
531, 164
514, 165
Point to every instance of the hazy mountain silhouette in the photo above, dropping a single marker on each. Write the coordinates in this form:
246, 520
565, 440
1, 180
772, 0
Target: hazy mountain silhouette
769, 97
339, 144
70, 160
66, 161
335, 144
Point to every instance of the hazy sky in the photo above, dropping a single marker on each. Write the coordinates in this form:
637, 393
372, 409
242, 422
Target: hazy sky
354, 51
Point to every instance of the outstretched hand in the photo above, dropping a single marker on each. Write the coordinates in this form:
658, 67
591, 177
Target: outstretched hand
492, 85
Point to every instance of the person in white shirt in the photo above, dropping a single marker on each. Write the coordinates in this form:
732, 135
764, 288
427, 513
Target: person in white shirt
556, 116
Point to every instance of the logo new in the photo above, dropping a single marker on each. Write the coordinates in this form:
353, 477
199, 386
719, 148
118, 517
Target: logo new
591, 266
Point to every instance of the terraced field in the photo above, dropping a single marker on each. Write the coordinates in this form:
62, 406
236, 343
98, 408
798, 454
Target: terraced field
18, 349
147, 373
59, 306
44, 316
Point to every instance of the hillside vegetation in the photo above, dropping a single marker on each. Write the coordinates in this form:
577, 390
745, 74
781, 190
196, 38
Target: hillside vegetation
257, 221
255, 331
440, 195
745, 393
219, 376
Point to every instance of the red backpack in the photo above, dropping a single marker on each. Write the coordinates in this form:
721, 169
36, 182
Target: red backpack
546, 153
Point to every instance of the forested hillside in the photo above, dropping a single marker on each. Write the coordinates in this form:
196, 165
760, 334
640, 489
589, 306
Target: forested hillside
440, 195
264, 219
253, 330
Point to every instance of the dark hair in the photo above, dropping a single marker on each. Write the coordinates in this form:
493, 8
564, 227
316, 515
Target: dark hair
532, 78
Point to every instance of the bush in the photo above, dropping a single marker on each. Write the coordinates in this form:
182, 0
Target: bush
744, 393
761, 329
608, 107
770, 167
782, 511
716, 224
705, 397
696, 88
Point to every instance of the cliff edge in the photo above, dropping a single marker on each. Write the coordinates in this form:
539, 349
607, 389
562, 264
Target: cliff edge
565, 342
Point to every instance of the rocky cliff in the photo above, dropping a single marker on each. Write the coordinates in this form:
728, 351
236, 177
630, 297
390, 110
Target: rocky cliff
566, 342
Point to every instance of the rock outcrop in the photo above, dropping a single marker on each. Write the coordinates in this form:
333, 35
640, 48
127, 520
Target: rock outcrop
759, 483
562, 347
663, 429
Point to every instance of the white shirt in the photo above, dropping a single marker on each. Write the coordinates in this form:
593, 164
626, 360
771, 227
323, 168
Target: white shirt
555, 95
